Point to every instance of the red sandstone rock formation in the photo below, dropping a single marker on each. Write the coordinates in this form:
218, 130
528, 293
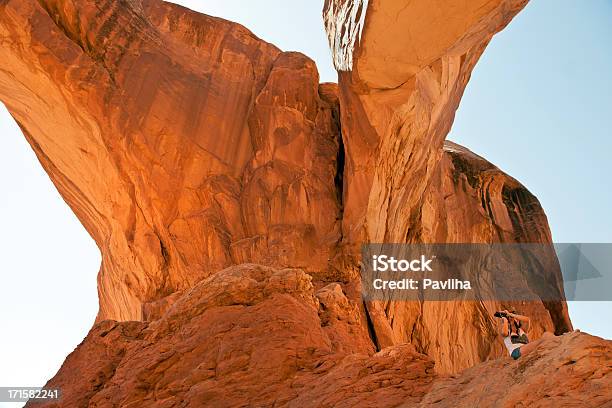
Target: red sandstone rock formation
403, 67
246, 336
574, 370
184, 143
263, 337
229, 193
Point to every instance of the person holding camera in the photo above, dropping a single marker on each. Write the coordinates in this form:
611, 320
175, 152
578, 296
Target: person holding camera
514, 333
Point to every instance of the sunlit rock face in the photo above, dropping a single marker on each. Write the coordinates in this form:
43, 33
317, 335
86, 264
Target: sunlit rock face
570, 370
229, 193
184, 143
470, 200
344, 22
408, 72
258, 336
402, 71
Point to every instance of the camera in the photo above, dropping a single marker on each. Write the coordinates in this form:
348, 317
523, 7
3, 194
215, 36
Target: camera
500, 314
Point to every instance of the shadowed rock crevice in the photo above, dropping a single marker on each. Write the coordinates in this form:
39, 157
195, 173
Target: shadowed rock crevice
371, 328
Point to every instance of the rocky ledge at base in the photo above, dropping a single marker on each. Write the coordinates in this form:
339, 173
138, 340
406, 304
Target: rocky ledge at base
572, 370
255, 336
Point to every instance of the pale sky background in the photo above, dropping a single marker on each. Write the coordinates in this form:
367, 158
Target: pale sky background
538, 106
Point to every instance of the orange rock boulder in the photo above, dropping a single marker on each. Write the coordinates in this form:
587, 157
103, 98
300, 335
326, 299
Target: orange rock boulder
258, 336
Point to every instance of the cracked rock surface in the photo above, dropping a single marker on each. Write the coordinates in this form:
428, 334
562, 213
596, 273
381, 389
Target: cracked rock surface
257, 336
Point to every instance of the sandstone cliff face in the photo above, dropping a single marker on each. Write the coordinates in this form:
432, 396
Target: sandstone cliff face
399, 93
184, 143
188, 146
470, 200
402, 71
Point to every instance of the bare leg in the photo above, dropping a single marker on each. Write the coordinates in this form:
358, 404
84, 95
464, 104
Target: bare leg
531, 346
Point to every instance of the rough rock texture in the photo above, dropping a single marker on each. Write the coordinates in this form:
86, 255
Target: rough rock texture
574, 370
471, 200
262, 337
191, 151
184, 143
246, 336
398, 95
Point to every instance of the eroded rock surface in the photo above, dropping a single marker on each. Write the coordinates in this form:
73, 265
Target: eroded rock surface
184, 143
262, 337
399, 91
192, 150
573, 370
247, 336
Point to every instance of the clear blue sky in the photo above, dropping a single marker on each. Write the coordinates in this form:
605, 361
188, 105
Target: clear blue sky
539, 106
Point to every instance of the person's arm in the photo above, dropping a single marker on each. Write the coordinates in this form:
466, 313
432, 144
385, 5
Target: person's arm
523, 319
503, 330
519, 317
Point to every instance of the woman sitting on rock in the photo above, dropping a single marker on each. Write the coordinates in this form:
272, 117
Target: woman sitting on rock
515, 337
